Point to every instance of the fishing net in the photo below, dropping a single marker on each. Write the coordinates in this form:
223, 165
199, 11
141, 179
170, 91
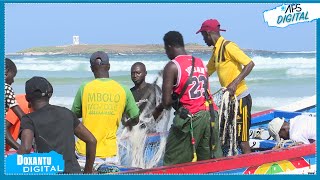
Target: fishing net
228, 122
286, 143
144, 145
139, 149
217, 97
106, 169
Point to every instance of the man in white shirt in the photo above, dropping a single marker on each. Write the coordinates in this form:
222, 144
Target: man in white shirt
301, 128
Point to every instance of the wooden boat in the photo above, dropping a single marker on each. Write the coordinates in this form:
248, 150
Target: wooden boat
289, 160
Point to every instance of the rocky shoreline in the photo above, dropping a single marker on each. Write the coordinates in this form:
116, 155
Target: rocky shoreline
120, 49
111, 48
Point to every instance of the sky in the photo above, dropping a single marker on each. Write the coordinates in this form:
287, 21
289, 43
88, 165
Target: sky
34, 25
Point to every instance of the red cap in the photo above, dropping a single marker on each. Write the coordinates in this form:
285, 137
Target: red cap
210, 25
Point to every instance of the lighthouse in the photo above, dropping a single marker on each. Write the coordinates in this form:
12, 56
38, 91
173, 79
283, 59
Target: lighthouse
76, 40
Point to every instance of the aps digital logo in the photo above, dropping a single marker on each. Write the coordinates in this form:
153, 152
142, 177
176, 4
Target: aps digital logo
288, 14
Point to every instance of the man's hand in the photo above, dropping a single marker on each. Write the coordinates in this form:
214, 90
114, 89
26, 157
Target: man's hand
231, 88
245, 71
131, 122
91, 144
128, 125
157, 112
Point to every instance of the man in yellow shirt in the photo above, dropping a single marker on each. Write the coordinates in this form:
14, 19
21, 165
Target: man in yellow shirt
101, 103
232, 66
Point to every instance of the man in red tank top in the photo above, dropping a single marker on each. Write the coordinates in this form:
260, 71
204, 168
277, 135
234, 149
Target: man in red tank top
189, 135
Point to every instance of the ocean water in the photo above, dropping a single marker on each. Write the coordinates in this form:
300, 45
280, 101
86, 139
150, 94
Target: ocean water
277, 79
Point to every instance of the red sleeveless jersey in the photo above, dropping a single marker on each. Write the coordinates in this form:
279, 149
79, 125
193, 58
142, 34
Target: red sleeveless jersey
193, 98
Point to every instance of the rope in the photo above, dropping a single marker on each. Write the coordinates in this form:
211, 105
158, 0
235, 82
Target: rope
230, 125
223, 88
217, 96
193, 141
286, 143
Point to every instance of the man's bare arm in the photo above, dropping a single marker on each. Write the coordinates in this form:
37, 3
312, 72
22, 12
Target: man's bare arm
245, 71
91, 143
26, 141
170, 73
18, 111
9, 139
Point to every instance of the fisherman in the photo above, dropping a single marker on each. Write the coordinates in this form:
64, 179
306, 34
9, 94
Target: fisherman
53, 128
232, 66
14, 120
301, 128
101, 103
188, 138
145, 94
10, 101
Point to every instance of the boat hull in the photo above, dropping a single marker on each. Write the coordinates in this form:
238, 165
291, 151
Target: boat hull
266, 162
291, 160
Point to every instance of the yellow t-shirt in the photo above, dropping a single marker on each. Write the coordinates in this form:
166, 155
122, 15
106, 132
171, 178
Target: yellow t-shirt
101, 104
229, 66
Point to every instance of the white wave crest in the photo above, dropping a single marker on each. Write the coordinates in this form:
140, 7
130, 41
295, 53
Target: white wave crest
273, 102
76, 65
265, 63
296, 52
300, 72
126, 65
62, 101
82, 64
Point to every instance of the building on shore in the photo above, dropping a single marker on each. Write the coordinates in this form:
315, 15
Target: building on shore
76, 40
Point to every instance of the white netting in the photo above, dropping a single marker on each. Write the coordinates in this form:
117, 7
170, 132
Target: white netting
217, 97
228, 122
144, 145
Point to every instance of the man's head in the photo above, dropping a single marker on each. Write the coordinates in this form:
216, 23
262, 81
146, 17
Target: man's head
38, 89
278, 129
173, 41
138, 73
210, 31
99, 62
11, 71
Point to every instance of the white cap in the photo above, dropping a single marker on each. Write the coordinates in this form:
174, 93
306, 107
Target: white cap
274, 128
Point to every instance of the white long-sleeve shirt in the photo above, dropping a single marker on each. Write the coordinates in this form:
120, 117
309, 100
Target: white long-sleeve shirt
303, 128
